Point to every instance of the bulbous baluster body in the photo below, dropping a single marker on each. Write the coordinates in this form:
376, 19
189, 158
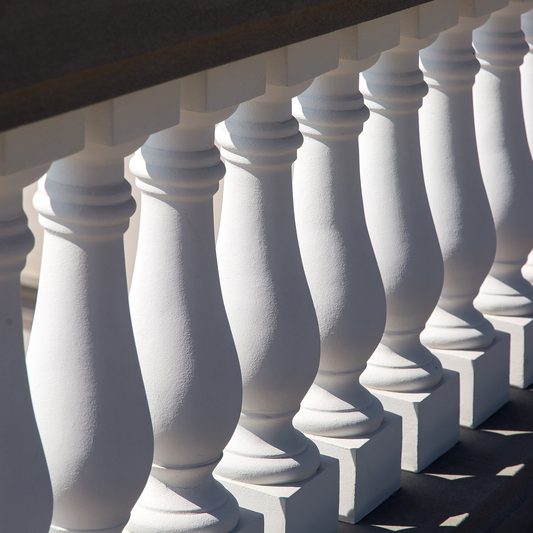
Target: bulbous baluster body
456, 194
399, 220
85, 378
25, 489
265, 292
526, 72
188, 359
505, 160
337, 254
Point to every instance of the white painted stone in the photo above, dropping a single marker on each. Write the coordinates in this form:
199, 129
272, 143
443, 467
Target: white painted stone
186, 350
340, 266
266, 294
404, 239
370, 467
293, 506
41, 142
461, 213
85, 379
429, 420
505, 159
25, 490
527, 269
249, 522
526, 75
526, 72
225, 86
520, 328
484, 378
507, 173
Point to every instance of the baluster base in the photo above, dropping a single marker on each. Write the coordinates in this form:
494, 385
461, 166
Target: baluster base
430, 420
370, 467
483, 379
520, 328
309, 505
166, 509
119, 528
249, 522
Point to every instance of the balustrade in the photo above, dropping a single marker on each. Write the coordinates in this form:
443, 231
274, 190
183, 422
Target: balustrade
457, 333
506, 298
279, 379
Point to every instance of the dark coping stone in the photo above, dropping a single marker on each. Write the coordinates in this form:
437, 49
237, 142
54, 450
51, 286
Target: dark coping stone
65, 54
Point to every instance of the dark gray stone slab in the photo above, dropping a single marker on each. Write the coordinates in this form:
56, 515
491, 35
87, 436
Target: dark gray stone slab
60, 55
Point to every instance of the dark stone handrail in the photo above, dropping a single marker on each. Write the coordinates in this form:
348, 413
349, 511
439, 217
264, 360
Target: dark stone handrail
62, 55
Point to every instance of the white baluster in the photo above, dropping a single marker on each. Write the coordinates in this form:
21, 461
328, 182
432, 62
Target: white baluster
187, 355
268, 465
526, 74
402, 373
506, 297
85, 378
344, 420
526, 71
25, 490
457, 333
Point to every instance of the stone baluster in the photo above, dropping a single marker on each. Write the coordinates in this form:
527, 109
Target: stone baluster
85, 379
458, 333
343, 419
268, 465
187, 355
526, 72
506, 298
406, 377
25, 489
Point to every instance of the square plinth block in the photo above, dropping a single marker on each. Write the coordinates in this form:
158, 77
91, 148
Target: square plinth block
309, 506
370, 467
483, 378
520, 328
430, 420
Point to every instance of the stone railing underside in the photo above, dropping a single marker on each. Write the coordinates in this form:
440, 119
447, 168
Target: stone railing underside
67, 54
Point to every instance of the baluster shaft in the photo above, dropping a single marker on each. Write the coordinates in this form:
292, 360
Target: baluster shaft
505, 296
460, 336
25, 490
343, 419
85, 378
187, 355
406, 377
269, 305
